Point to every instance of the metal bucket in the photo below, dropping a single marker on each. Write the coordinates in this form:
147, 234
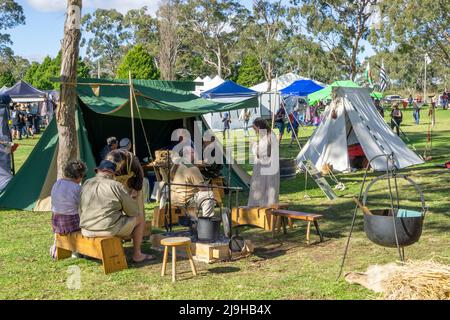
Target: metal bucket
208, 229
379, 228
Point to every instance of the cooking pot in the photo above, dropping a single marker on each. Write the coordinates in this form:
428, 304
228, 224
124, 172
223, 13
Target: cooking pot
386, 227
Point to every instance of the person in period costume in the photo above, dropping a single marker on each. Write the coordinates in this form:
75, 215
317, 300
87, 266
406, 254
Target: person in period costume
265, 182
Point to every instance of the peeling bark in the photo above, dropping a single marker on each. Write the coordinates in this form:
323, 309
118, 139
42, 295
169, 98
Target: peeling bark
65, 113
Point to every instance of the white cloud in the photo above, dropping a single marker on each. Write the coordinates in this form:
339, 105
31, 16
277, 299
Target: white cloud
120, 5
46, 6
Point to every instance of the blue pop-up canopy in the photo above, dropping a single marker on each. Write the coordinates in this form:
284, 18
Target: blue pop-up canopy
301, 88
229, 89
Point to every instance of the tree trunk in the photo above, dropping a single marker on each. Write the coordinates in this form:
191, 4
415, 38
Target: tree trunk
219, 61
169, 40
65, 114
269, 76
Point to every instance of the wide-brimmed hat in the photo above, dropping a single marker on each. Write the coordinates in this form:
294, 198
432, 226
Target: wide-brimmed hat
107, 165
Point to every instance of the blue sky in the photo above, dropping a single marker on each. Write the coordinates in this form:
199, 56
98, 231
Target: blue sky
42, 34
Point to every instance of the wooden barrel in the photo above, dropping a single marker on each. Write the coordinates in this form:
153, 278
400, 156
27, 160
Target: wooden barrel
288, 168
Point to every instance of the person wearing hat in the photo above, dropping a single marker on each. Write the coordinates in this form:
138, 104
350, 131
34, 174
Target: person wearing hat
130, 171
125, 144
111, 144
107, 209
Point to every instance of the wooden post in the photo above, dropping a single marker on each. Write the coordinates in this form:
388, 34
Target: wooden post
133, 132
65, 113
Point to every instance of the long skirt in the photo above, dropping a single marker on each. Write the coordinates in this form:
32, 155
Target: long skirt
264, 189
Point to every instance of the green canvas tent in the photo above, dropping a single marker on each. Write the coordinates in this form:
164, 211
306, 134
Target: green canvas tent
104, 110
325, 93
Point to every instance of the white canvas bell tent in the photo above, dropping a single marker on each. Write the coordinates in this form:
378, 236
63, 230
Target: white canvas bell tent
356, 120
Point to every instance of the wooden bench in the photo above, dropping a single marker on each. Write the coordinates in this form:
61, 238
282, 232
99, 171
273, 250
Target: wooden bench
294, 215
108, 249
256, 216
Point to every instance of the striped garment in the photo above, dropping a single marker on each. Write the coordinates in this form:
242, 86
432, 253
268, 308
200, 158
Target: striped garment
64, 224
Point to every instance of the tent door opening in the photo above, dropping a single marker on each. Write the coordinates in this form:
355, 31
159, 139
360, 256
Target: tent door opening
357, 157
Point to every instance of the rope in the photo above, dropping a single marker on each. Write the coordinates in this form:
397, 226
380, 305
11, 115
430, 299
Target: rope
143, 128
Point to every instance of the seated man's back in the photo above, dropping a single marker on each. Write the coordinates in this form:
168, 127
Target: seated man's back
106, 206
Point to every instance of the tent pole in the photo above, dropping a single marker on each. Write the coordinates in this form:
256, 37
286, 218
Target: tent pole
133, 133
275, 100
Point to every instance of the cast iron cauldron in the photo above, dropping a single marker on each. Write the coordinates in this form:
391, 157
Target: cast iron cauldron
208, 229
380, 229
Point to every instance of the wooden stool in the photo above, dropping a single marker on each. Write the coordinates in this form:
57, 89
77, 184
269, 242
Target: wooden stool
174, 243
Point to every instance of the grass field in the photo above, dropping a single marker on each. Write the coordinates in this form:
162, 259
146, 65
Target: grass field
280, 268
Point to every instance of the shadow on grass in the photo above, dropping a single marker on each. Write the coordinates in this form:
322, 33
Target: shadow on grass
270, 253
220, 270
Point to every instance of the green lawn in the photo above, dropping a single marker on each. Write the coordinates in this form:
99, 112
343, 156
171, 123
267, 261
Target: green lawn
280, 268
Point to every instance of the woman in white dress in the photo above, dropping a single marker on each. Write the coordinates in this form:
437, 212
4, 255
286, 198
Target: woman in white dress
265, 182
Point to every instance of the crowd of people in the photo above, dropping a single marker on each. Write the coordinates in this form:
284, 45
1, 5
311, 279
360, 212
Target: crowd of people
24, 122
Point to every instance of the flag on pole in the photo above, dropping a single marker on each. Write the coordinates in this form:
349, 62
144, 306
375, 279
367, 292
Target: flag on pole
368, 75
427, 59
383, 78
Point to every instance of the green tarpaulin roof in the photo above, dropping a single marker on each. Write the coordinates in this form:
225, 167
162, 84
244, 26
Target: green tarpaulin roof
325, 93
155, 102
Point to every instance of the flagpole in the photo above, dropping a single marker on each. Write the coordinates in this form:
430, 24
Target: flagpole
425, 82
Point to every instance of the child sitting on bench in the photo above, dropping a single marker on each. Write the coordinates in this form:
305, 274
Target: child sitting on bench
65, 197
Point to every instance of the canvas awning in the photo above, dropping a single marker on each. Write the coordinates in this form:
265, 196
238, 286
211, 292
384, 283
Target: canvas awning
155, 103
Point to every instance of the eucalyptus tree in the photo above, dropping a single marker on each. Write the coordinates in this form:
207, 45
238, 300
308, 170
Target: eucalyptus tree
340, 26
11, 15
212, 30
108, 39
265, 36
